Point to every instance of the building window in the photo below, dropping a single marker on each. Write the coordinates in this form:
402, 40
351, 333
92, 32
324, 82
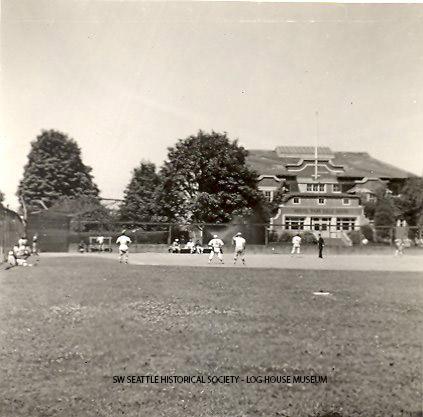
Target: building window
268, 195
336, 188
321, 201
346, 201
296, 200
316, 188
345, 223
294, 223
321, 223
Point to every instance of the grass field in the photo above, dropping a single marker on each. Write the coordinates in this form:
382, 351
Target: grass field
70, 324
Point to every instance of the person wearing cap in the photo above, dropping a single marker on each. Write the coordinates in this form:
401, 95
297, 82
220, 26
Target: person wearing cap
123, 241
216, 248
239, 242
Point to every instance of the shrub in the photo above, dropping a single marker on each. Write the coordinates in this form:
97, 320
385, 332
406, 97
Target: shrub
367, 232
308, 237
356, 237
285, 236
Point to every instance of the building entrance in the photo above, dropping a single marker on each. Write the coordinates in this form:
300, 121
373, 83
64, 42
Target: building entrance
321, 225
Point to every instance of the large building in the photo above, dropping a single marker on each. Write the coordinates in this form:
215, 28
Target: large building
325, 189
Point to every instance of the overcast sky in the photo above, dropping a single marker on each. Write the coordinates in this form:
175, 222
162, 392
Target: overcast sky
126, 79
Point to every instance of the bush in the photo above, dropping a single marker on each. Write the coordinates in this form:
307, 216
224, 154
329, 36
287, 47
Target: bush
356, 237
285, 236
308, 237
367, 232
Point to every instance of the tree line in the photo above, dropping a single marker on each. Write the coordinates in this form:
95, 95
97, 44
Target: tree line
204, 179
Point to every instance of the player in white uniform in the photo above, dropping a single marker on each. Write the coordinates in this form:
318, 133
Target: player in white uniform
123, 241
216, 248
239, 243
296, 243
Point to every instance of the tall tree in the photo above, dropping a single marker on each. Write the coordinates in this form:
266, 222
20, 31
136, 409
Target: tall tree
410, 201
385, 214
206, 179
140, 201
55, 169
1, 197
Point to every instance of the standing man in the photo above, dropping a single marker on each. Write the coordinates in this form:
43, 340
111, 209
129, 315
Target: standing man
321, 244
239, 242
100, 241
123, 241
296, 243
35, 244
216, 248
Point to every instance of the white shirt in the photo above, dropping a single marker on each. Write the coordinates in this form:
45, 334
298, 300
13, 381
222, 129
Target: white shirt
239, 243
123, 242
296, 240
216, 244
100, 240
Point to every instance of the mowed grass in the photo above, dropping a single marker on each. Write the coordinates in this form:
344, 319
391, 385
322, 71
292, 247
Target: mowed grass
70, 324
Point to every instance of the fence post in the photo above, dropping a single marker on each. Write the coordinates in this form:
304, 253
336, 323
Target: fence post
391, 235
169, 236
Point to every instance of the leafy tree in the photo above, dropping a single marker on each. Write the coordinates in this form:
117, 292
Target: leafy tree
1, 197
410, 201
268, 209
385, 214
206, 179
84, 209
54, 169
141, 194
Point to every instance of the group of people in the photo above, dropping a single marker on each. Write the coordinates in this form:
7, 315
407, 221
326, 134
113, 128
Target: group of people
19, 254
216, 247
177, 247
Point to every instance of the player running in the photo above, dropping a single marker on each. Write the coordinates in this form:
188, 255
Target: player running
216, 248
239, 243
123, 241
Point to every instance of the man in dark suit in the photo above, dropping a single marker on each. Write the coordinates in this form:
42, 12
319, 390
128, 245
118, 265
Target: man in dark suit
321, 244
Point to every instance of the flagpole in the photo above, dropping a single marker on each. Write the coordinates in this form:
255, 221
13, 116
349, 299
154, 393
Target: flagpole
315, 145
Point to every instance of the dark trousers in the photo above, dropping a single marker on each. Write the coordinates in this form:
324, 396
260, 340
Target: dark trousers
320, 251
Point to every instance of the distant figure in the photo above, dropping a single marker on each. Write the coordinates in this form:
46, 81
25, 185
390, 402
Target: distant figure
81, 246
190, 245
35, 244
320, 244
216, 245
18, 256
399, 247
198, 247
239, 243
23, 241
123, 241
296, 244
100, 241
175, 247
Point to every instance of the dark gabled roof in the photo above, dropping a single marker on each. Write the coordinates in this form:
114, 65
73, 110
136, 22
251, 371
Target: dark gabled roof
355, 164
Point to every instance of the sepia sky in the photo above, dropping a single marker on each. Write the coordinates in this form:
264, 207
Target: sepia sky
126, 79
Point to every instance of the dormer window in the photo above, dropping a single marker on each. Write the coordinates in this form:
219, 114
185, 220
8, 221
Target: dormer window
321, 201
296, 200
346, 201
316, 188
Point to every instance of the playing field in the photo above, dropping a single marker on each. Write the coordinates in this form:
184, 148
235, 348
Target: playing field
70, 324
